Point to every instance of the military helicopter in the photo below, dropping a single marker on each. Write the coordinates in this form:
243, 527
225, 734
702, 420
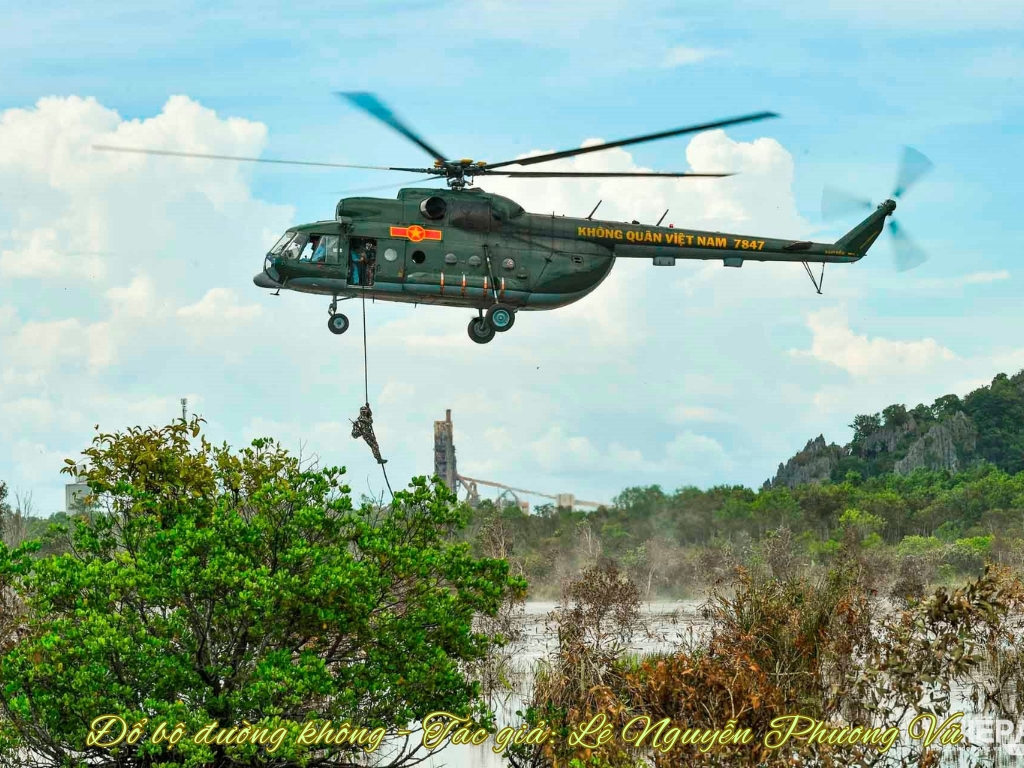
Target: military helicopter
463, 247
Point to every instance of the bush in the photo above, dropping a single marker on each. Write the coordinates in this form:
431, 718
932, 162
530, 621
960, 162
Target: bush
916, 546
967, 556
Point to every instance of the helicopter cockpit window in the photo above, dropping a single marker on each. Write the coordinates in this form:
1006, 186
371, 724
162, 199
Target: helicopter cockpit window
297, 247
280, 244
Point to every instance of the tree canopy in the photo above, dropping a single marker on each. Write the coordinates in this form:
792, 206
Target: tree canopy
214, 585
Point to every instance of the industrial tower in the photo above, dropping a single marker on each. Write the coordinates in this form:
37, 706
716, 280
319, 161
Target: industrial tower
444, 451
444, 468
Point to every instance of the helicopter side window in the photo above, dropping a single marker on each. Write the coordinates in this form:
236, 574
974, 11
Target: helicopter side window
311, 251
327, 250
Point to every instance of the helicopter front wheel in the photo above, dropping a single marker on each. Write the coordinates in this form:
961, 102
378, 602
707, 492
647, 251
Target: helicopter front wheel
337, 324
501, 317
480, 330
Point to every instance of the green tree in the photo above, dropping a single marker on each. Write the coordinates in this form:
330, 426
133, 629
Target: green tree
946, 406
861, 524
895, 416
864, 425
236, 587
922, 414
998, 412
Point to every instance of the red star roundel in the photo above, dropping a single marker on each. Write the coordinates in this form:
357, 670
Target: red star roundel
416, 233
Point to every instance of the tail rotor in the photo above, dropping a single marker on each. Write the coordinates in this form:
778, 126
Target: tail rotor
837, 203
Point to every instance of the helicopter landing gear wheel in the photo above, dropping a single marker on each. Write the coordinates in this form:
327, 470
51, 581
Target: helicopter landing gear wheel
480, 330
501, 317
337, 324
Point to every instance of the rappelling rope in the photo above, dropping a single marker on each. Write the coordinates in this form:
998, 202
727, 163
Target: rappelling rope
366, 388
366, 367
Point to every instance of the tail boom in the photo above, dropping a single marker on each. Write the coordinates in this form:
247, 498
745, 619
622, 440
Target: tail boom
665, 245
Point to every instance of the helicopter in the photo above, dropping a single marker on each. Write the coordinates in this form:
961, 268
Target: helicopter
463, 247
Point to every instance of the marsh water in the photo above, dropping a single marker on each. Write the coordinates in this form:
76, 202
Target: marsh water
669, 624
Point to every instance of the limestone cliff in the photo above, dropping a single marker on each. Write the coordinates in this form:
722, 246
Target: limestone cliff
814, 464
888, 439
952, 434
945, 446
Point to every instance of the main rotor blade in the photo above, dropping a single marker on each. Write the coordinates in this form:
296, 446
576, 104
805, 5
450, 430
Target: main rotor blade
374, 106
200, 155
636, 140
603, 175
906, 254
913, 165
836, 203
382, 187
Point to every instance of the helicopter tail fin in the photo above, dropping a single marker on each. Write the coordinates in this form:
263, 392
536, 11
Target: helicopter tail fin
861, 237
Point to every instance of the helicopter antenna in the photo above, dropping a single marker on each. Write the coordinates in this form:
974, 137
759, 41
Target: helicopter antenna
662, 218
595, 209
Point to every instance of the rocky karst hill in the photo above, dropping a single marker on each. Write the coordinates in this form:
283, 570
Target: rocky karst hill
951, 434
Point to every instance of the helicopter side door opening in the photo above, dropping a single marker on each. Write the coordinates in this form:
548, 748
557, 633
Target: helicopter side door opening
362, 261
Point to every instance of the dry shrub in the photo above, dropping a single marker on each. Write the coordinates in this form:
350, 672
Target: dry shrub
821, 649
915, 573
595, 622
497, 672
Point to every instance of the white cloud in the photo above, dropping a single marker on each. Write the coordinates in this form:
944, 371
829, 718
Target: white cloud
688, 457
683, 55
685, 413
28, 411
42, 253
557, 450
8, 316
834, 342
1009, 362
219, 307
690, 447
136, 300
941, 284
395, 392
97, 250
44, 345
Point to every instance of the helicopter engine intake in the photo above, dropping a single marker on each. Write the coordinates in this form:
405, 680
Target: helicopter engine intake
434, 207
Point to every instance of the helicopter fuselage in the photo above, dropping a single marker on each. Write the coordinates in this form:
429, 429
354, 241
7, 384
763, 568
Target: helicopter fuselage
468, 248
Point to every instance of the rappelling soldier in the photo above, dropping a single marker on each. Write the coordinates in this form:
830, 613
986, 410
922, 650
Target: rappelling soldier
363, 427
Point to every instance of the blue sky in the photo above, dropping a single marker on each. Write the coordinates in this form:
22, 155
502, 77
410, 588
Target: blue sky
125, 283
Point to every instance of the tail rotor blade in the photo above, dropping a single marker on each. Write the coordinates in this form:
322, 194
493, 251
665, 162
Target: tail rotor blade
906, 254
913, 165
837, 204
